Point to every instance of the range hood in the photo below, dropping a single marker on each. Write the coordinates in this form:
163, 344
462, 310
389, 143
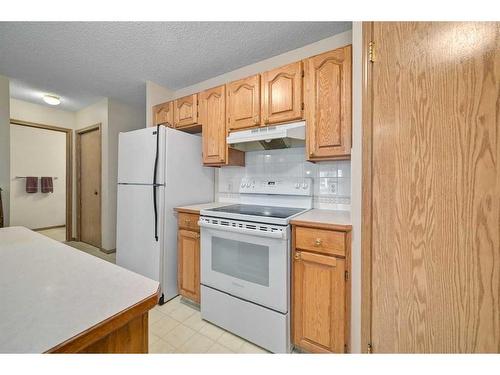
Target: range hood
269, 137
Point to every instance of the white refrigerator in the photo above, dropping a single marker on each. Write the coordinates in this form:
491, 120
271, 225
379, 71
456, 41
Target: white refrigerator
158, 169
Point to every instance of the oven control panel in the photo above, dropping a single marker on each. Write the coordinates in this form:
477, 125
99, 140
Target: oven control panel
295, 186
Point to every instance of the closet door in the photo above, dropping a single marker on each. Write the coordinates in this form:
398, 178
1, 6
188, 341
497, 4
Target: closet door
432, 187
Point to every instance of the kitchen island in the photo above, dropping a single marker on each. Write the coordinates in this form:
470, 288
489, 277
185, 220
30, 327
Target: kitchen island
56, 299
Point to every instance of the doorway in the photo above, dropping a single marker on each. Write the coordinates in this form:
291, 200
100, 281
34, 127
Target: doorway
431, 172
88, 175
37, 150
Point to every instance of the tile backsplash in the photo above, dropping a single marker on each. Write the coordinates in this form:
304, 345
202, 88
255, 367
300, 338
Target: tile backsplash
332, 180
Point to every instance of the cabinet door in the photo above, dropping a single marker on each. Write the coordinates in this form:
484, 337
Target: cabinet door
186, 111
282, 94
188, 264
327, 94
318, 304
163, 114
213, 120
243, 103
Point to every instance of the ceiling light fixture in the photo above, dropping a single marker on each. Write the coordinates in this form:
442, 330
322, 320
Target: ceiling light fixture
51, 99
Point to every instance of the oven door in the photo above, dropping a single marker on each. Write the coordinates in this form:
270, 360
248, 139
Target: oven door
249, 264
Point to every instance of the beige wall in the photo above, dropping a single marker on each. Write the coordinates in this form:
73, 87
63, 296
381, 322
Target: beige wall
5, 145
155, 94
37, 152
30, 112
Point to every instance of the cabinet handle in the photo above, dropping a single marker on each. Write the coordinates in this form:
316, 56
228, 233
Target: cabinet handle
297, 255
318, 242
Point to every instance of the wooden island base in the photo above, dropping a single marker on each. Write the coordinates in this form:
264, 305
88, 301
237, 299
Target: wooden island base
125, 332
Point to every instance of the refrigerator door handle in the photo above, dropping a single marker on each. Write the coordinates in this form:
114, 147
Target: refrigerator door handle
155, 185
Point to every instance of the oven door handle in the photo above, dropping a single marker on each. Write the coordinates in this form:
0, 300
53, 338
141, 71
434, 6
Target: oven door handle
278, 235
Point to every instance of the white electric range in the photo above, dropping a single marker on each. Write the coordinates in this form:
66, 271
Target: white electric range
245, 260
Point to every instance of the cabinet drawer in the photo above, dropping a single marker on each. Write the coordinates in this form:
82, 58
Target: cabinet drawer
319, 240
189, 221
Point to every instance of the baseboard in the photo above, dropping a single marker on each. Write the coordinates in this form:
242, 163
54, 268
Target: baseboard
107, 251
52, 227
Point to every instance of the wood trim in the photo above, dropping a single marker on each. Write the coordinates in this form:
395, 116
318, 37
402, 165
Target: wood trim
320, 225
79, 132
187, 210
366, 215
47, 228
69, 167
104, 328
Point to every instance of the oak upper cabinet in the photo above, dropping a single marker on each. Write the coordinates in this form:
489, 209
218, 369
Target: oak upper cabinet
213, 120
327, 97
243, 103
320, 290
186, 111
281, 91
163, 114
188, 256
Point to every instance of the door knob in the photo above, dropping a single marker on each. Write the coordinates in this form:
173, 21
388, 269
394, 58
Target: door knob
96, 193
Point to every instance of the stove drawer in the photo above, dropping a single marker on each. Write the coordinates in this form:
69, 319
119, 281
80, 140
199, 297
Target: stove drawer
320, 241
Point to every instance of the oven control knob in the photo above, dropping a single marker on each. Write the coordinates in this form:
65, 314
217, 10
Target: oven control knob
297, 186
242, 184
304, 186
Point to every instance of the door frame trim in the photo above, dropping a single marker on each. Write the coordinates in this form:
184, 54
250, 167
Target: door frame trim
367, 179
69, 167
78, 155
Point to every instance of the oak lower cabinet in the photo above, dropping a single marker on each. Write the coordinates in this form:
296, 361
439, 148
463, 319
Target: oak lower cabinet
163, 114
188, 256
327, 98
213, 119
281, 91
320, 290
243, 103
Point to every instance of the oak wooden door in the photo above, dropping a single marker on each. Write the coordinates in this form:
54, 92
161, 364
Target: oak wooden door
318, 302
188, 263
282, 94
163, 114
186, 111
243, 103
89, 186
327, 97
433, 187
213, 120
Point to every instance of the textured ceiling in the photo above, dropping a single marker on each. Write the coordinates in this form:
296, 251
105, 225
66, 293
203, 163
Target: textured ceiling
85, 61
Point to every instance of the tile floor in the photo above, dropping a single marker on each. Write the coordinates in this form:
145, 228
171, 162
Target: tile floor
59, 234
177, 327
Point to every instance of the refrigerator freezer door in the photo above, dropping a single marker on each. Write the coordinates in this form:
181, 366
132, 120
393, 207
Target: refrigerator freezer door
136, 247
136, 156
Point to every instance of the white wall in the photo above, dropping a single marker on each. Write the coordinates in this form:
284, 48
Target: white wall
121, 118
37, 152
155, 94
30, 112
5, 146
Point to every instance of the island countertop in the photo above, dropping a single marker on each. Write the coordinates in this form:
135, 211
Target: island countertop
52, 294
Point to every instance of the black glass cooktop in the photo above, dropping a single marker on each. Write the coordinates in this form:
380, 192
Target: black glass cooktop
257, 210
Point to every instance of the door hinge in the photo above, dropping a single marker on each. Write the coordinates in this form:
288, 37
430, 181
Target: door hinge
369, 349
303, 74
371, 51
302, 106
346, 275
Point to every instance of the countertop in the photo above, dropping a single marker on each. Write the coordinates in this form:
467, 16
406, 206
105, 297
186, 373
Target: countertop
196, 208
328, 219
51, 292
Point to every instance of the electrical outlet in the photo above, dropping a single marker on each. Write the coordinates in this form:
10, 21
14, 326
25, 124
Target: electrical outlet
333, 188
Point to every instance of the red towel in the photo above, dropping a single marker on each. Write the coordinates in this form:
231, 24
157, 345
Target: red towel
31, 184
46, 183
